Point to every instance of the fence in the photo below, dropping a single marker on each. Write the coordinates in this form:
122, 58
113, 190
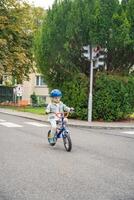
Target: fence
6, 94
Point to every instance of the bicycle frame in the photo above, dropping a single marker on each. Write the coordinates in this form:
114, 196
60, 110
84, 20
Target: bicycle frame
60, 130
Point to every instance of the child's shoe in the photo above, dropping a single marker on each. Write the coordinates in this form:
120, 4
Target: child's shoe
51, 138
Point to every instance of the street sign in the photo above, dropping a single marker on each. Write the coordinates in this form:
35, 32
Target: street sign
96, 56
99, 59
19, 90
86, 52
95, 52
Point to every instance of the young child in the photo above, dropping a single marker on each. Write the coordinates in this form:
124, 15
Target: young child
55, 106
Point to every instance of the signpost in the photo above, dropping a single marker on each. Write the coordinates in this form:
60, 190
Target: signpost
94, 56
18, 91
90, 100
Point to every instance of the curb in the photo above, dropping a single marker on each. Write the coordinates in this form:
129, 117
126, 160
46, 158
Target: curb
92, 126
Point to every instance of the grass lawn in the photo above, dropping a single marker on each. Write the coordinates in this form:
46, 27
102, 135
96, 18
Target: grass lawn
36, 110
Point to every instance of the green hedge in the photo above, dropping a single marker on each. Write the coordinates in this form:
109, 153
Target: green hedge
75, 94
113, 97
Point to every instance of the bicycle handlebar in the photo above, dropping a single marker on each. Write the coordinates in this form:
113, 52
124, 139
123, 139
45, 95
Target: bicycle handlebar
62, 114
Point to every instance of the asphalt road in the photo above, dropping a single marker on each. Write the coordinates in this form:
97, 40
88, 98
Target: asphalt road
99, 167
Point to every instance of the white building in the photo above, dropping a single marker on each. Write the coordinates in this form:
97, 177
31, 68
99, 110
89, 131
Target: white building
35, 85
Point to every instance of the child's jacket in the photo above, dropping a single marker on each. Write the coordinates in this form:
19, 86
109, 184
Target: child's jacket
53, 108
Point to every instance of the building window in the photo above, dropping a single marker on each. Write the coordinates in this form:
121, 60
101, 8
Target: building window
40, 81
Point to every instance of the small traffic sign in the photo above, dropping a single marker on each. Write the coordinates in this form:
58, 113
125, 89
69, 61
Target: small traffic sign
19, 90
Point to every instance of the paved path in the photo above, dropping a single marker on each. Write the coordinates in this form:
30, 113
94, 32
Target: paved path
76, 123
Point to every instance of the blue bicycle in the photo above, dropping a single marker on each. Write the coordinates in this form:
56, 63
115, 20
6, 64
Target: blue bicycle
62, 132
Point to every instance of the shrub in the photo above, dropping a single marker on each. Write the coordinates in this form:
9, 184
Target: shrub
113, 97
130, 89
34, 99
75, 94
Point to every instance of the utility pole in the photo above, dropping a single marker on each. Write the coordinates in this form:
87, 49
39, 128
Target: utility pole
90, 99
88, 55
93, 54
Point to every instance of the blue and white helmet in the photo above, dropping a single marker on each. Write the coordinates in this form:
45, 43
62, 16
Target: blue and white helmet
55, 93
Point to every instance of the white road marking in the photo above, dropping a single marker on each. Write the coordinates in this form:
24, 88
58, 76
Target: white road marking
9, 124
2, 120
36, 124
129, 132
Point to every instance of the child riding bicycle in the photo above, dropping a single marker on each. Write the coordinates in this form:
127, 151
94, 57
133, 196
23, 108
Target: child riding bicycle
56, 106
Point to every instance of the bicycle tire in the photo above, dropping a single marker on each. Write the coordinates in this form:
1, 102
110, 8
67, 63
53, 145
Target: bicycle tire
67, 142
51, 144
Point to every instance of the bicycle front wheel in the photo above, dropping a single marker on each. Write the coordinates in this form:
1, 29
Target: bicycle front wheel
50, 139
67, 142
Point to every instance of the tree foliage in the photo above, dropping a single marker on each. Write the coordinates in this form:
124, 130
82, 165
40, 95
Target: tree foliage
16, 35
70, 25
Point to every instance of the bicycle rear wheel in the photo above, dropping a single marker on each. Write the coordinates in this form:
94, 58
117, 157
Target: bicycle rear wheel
67, 142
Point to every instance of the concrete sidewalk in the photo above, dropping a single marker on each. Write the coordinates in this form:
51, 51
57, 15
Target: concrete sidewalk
71, 122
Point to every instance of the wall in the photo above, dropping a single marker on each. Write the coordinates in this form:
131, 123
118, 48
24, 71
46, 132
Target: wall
30, 86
